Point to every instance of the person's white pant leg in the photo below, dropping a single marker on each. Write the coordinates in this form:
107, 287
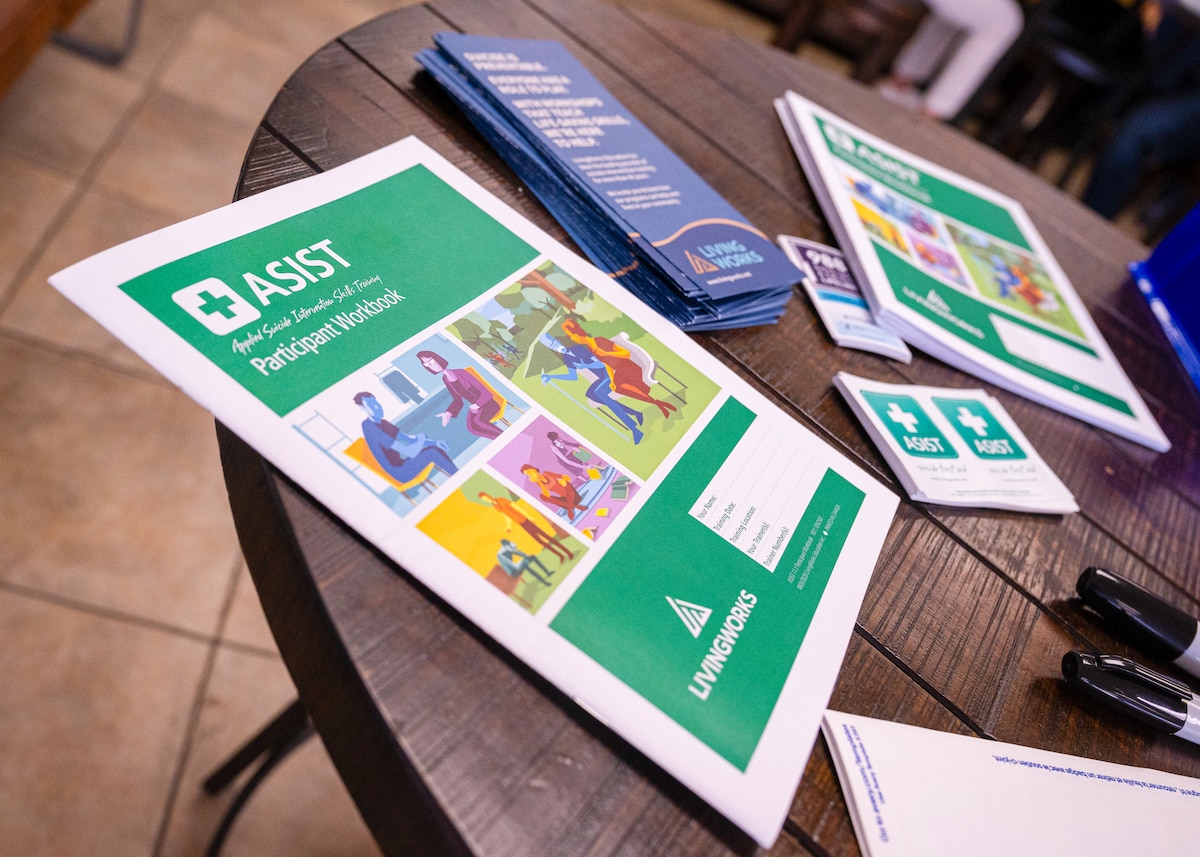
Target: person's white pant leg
925, 50
989, 28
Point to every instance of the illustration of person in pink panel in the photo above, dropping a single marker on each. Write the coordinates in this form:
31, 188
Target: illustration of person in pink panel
556, 488
484, 404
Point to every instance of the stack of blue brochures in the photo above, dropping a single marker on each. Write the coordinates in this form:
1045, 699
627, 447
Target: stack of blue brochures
631, 204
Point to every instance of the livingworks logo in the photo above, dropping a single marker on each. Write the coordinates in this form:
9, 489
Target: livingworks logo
709, 258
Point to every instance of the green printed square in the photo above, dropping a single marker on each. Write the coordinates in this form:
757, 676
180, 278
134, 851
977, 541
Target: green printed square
910, 426
290, 308
692, 623
979, 428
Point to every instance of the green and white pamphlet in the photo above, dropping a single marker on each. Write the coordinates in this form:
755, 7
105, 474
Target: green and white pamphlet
959, 271
568, 470
955, 447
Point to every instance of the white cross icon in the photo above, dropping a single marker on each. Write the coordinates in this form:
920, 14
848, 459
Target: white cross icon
898, 415
972, 421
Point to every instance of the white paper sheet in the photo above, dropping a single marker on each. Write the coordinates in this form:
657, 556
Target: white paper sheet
924, 793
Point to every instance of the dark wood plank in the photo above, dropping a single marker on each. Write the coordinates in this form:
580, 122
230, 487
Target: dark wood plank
967, 616
339, 86
873, 686
1112, 486
269, 163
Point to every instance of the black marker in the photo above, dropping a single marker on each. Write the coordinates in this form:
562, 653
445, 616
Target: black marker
1127, 686
1163, 632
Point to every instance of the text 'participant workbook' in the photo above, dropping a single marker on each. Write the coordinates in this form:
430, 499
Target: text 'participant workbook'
538, 447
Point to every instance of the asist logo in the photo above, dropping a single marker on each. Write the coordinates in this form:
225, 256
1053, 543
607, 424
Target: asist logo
216, 306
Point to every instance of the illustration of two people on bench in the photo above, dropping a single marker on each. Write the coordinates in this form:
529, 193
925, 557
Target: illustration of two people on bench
618, 369
596, 369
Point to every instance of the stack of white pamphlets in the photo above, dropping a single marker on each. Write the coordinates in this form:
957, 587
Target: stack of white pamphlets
916, 792
955, 447
959, 271
839, 302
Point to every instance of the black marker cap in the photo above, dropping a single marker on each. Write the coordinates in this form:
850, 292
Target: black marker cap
1161, 631
1130, 688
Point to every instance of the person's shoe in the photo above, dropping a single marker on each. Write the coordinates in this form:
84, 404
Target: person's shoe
906, 96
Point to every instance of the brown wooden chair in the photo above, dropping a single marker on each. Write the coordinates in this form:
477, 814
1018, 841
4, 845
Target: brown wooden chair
870, 32
26, 25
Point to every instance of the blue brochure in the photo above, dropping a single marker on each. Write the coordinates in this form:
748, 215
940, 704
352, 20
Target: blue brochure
1167, 279
634, 207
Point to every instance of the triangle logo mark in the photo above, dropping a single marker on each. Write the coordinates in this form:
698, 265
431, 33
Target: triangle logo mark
699, 265
693, 615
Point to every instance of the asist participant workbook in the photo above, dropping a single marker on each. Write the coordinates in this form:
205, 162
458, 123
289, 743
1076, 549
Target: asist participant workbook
567, 469
959, 271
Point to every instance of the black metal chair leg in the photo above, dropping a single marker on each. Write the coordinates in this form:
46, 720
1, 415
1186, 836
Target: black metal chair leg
272, 744
104, 54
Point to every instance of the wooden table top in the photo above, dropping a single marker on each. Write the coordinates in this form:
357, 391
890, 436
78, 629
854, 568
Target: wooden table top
448, 744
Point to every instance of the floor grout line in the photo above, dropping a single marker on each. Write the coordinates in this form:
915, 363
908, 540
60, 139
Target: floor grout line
86, 180
110, 613
197, 709
147, 375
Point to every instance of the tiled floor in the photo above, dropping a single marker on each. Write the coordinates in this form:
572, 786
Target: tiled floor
133, 655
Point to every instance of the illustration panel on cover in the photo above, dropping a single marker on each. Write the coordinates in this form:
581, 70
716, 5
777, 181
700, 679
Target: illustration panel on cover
596, 370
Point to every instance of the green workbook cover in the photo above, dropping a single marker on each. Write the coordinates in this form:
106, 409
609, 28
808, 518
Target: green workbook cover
958, 270
559, 464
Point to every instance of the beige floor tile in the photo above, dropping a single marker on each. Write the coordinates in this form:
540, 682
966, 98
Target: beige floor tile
30, 199
93, 714
246, 623
62, 111
161, 25
100, 220
113, 493
308, 25
178, 157
302, 809
230, 69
